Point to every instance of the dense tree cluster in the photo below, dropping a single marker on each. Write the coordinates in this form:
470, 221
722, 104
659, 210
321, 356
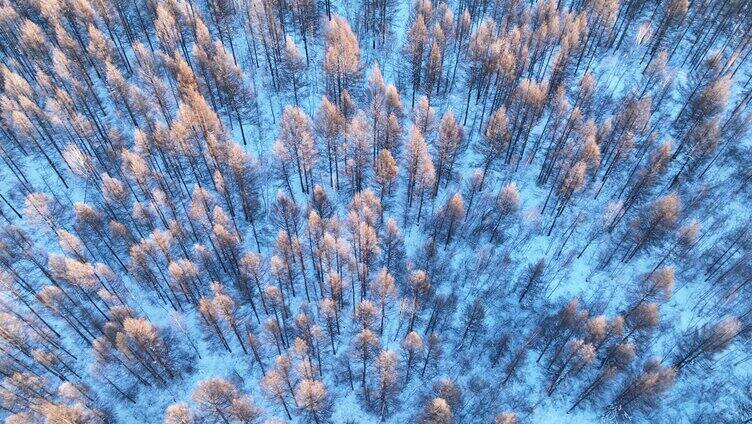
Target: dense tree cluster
332, 211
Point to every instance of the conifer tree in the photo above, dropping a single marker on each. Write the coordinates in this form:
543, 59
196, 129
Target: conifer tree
311, 397
387, 387
341, 57
436, 411
218, 399
494, 142
295, 142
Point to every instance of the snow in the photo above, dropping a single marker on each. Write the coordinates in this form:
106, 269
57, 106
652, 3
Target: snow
468, 268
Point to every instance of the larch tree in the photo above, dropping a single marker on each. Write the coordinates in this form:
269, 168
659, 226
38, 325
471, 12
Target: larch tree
448, 148
436, 411
531, 278
385, 173
226, 309
417, 40
311, 397
306, 13
644, 390
423, 116
218, 399
653, 224
293, 69
295, 141
211, 318
330, 126
473, 322
704, 343
505, 205
421, 174
358, 152
674, 13
179, 413
274, 387
453, 214
386, 364
341, 57
413, 345
506, 418
385, 290
573, 181
377, 106
495, 140
366, 346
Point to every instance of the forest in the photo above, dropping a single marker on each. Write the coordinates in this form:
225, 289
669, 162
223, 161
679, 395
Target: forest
366, 211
